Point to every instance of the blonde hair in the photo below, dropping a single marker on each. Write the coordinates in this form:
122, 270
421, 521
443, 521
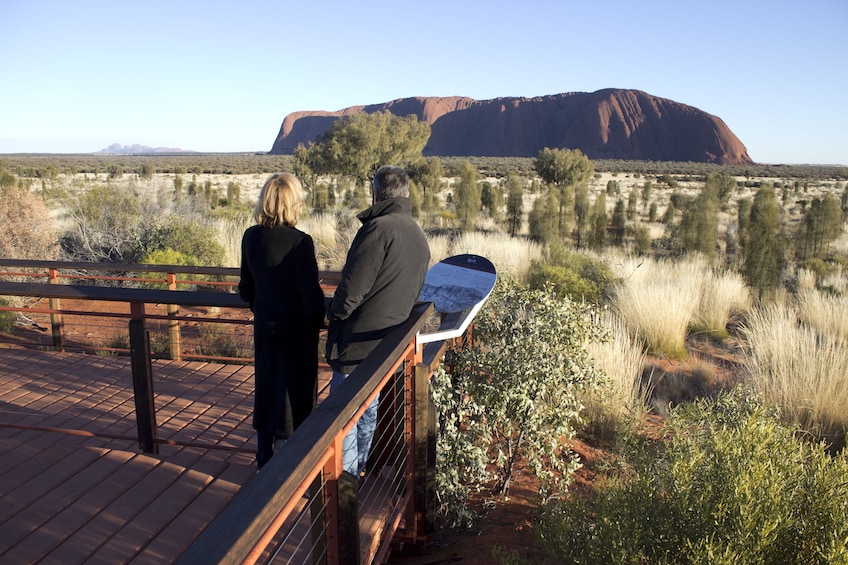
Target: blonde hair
280, 201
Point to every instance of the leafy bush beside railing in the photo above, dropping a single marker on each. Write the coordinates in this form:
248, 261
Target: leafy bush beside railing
513, 393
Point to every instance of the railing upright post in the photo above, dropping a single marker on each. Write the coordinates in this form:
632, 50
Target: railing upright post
422, 511
142, 373
57, 322
341, 495
173, 324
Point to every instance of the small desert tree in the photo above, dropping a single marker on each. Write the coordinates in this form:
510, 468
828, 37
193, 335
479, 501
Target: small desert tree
542, 220
599, 218
427, 173
581, 214
699, 224
764, 242
743, 217
822, 224
356, 146
514, 204
467, 197
491, 199
721, 186
563, 170
619, 222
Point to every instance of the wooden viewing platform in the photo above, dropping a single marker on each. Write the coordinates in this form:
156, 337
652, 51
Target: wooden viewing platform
91, 495
115, 458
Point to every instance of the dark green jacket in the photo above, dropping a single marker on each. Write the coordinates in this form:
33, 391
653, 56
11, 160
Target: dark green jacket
380, 283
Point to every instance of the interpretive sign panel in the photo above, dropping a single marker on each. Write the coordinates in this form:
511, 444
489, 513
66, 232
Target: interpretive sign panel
457, 286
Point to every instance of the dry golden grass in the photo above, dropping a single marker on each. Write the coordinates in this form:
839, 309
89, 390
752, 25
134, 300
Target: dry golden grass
623, 394
723, 294
440, 246
826, 314
658, 299
230, 232
800, 369
510, 255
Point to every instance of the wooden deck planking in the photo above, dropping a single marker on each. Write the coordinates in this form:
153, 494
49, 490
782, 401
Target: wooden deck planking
72, 498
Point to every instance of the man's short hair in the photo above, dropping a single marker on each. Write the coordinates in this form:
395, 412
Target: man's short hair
391, 182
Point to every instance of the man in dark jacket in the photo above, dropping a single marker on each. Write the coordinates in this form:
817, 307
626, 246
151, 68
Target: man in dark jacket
380, 283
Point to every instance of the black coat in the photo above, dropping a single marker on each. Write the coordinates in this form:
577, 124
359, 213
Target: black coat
279, 279
380, 283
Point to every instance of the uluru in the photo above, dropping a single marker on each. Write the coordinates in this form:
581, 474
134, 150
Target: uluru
606, 124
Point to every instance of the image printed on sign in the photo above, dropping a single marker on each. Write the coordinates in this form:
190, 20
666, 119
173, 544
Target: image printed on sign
457, 286
454, 289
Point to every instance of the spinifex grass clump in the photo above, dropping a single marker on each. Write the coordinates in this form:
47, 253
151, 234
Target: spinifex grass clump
511, 256
733, 485
723, 294
658, 300
622, 394
800, 367
826, 313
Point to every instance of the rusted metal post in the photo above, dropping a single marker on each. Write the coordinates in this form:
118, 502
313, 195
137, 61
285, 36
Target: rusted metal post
422, 511
317, 503
142, 373
57, 322
173, 324
341, 510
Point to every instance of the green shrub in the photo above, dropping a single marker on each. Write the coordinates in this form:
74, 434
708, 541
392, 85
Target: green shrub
461, 452
169, 257
733, 485
7, 319
573, 275
191, 239
515, 388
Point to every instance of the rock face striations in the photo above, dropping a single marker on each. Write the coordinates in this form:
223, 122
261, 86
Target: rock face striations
607, 124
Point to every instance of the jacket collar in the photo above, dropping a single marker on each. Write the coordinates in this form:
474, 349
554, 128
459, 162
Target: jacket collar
399, 205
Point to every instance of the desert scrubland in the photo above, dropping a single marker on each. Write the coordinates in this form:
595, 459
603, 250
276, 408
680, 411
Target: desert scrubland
656, 319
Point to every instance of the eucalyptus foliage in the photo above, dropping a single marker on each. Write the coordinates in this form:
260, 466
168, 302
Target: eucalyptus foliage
356, 146
461, 448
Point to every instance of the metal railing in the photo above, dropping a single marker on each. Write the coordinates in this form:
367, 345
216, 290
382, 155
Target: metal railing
178, 331
302, 507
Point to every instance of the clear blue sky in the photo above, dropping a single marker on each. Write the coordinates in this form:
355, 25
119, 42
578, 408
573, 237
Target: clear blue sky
79, 75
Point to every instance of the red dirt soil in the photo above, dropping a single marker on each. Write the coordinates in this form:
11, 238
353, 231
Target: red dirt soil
509, 524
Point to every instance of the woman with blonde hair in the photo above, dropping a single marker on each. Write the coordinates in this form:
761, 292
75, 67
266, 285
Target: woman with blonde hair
279, 279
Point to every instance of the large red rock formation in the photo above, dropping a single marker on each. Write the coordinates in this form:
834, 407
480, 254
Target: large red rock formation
607, 124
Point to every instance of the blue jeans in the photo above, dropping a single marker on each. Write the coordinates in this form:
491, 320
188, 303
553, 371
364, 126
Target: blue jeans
357, 443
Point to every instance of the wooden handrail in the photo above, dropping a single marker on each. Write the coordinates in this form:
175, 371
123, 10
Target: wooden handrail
314, 450
119, 294
328, 277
